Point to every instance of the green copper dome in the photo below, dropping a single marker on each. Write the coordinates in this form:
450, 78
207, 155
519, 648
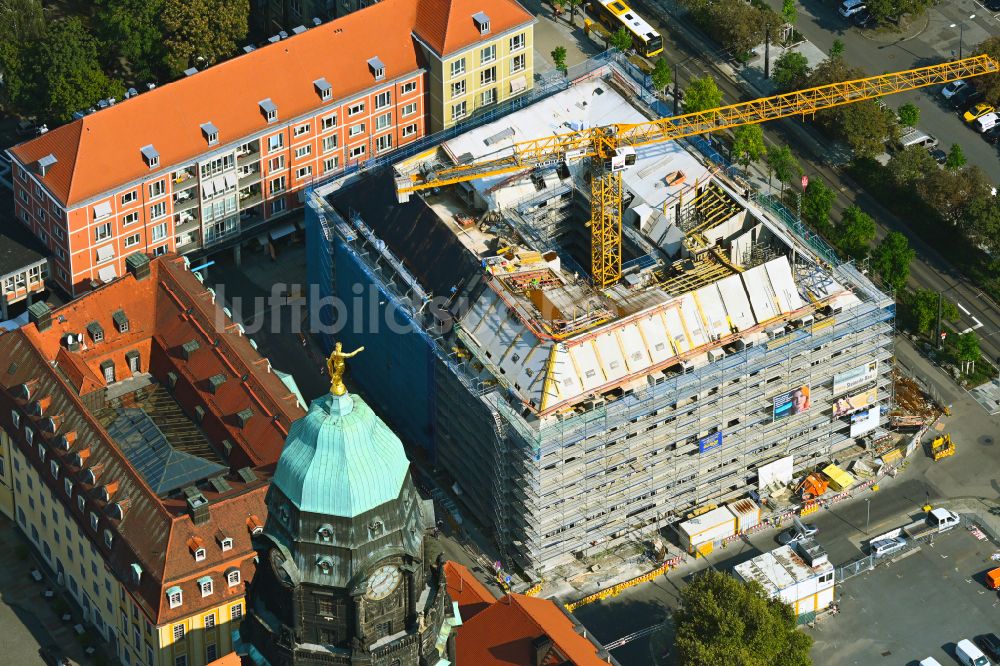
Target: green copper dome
340, 459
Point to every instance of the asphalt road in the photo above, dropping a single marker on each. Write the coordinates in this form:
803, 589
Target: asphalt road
696, 58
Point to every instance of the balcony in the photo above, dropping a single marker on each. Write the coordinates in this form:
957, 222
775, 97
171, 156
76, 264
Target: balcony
250, 196
186, 199
186, 239
249, 176
248, 153
250, 217
184, 178
186, 219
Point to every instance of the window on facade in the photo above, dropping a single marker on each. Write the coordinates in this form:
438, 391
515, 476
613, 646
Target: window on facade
158, 233
68, 487
278, 185
157, 189
210, 620
205, 586
383, 143
233, 577
355, 109
356, 129
130, 218
488, 54
218, 165
458, 88
383, 99
488, 76
81, 503
15, 418
409, 109
517, 64
384, 121
93, 521
276, 163
303, 151
517, 42
211, 653
409, 130
300, 129
458, 67
178, 632
275, 142
458, 111
303, 172
357, 151
158, 210
488, 97
330, 164
237, 611
277, 206
329, 143
54, 468
407, 88
329, 122
131, 241
102, 232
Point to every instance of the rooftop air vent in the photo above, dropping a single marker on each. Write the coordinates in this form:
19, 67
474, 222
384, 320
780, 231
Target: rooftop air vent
268, 109
210, 132
215, 381
246, 475
189, 348
46, 163
482, 22
249, 48
298, 30
323, 88
377, 68
198, 508
243, 416
190, 71
150, 156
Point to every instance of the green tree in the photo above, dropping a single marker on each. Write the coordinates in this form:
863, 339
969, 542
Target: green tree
911, 165
817, 202
722, 620
909, 115
202, 32
65, 70
922, 306
855, 232
783, 165
748, 144
131, 31
559, 58
22, 24
791, 71
980, 221
837, 50
573, 5
990, 83
788, 12
662, 76
956, 158
865, 126
950, 192
967, 349
21, 21
891, 258
702, 94
621, 39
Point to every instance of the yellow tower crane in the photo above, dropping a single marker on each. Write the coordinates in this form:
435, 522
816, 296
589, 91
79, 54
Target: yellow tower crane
612, 147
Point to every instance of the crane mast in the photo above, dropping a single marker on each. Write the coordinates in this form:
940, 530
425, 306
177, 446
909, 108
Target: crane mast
611, 147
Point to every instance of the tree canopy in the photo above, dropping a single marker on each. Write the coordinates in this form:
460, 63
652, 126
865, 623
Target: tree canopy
791, 71
990, 83
956, 158
855, 232
783, 165
662, 76
865, 125
621, 39
725, 621
702, 94
817, 202
909, 115
559, 58
202, 32
748, 144
131, 30
891, 258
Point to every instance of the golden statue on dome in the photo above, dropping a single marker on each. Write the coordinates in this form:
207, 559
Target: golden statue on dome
335, 366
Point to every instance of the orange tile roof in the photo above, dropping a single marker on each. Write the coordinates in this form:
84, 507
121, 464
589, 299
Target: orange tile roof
466, 590
503, 635
100, 152
447, 26
231, 659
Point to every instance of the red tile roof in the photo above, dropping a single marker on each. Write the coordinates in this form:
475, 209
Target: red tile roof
164, 308
466, 590
447, 26
504, 635
101, 152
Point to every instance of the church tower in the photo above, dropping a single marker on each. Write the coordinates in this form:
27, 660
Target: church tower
343, 573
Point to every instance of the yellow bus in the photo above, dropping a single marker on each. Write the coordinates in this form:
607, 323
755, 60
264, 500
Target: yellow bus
615, 14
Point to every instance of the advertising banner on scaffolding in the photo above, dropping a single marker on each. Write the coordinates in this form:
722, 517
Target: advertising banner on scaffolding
793, 402
863, 422
851, 404
855, 377
711, 442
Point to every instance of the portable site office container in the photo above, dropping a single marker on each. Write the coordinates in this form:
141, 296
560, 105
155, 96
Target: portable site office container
707, 528
786, 576
747, 514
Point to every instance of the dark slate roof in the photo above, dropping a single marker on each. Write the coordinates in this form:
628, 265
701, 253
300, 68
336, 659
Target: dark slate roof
414, 233
162, 466
18, 248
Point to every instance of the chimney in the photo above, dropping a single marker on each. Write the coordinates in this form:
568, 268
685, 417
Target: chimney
40, 314
541, 646
137, 264
198, 508
46, 163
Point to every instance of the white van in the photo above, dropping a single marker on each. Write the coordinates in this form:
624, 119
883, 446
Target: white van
929, 661
917, 138
850, 7
969, 654
986, 122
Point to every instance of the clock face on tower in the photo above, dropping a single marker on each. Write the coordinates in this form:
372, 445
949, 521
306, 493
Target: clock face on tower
382, 582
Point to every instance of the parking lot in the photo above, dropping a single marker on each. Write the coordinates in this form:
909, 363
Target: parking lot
915, 607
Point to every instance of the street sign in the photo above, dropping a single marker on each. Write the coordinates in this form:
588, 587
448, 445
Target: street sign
805, 183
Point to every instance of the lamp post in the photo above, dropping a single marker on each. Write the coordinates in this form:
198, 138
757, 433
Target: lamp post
961, 33
868, 513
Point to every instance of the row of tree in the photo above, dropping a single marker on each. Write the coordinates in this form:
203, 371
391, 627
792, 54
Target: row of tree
51, 68
738, 26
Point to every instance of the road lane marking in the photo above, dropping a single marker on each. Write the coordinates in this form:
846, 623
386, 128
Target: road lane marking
962, 308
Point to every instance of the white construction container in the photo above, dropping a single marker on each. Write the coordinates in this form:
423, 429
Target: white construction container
786, 576
707, 528
747, 514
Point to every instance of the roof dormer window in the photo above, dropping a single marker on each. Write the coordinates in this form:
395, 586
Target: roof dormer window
121, 321
482, 22
325, 533
323, 89
233, 576
150, 156
205, 585
136, 573
211, 133
199, 554
226, 544
174, 596
269, 110
377, 68
46, 163
197, 548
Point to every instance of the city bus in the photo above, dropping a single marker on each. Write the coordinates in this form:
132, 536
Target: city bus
615, 14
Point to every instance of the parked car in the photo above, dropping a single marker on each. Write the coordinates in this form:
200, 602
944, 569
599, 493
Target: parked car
864, 19
850, 7
969, 655
793, 534
992, 5
977, 110
962, 102
951, 89
992, 135
941, 157
986, 122
887, 546
990, 644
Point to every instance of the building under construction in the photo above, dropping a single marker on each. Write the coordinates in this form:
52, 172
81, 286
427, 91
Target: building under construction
570, 419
